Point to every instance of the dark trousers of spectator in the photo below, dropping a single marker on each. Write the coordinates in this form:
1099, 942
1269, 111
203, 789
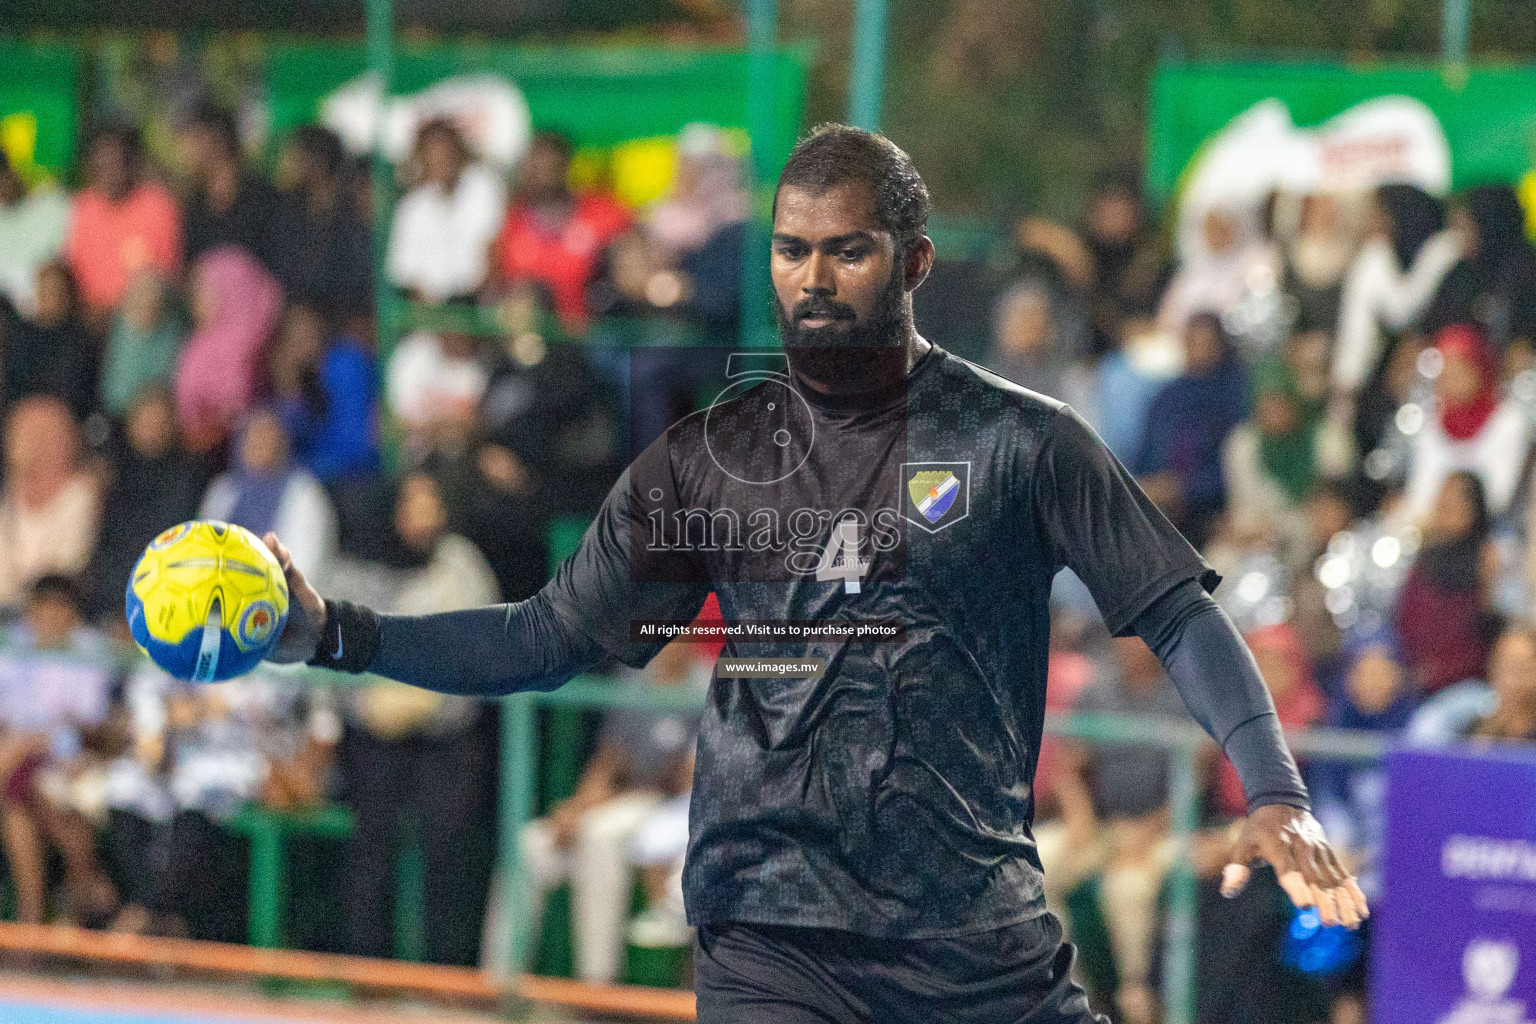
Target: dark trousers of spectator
442, 790
186, 868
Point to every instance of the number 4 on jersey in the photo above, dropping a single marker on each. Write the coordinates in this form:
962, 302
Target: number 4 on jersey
840, 559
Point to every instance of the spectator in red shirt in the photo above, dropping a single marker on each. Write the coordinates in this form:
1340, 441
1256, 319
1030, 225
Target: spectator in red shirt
553, 237
121, 223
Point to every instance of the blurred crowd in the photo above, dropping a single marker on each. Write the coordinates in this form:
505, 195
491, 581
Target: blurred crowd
1330, 394
198, 340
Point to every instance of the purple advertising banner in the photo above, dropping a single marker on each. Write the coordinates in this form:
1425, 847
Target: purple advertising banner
1455, 936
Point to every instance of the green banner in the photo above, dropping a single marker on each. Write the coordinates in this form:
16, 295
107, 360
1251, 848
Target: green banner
600, 96
39, 107
1488, 113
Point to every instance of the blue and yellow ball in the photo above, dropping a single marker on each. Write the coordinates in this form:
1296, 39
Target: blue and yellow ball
207, 601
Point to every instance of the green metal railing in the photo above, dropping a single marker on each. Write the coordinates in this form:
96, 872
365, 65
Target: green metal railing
1183, 741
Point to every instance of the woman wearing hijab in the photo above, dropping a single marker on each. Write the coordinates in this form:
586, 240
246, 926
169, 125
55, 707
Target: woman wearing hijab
142, 345
425, 756
1441, 611
1221, 262
1129, 265
706, 196
1377, 694
1316, 260
1179, 464
235, 305
1472, 428
267, 492
1393, 281
701, 228
1273, 460
50, 506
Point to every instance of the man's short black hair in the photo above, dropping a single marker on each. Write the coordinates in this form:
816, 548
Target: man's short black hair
830, 155
322, 145
219, 123
58, 588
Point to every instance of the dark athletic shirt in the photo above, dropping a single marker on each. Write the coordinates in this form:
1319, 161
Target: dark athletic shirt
893, 795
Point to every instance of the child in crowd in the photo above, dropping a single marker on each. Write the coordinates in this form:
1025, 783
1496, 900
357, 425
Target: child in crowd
55, 678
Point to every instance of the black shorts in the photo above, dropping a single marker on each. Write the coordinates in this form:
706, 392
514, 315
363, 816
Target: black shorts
761, 974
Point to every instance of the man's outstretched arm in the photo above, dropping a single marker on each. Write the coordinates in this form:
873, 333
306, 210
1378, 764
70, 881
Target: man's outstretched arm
1216, 675
488, 651
579, 618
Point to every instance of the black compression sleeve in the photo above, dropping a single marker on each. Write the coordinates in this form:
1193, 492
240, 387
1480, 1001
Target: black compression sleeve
1216, 675
488, 651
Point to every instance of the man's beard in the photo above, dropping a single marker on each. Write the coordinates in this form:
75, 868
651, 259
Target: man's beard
848, 354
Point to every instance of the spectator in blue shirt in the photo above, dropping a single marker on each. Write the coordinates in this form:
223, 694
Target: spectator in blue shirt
324, 389
1377, 696
1179, 464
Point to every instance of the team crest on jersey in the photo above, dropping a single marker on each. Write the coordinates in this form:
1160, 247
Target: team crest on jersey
939, 493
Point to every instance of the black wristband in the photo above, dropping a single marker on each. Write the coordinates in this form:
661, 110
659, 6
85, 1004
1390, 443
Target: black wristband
349, 639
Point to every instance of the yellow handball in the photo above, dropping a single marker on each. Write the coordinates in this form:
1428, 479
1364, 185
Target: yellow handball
207, 601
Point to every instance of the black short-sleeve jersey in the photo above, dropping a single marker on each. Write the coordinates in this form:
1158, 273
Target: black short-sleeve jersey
891, 795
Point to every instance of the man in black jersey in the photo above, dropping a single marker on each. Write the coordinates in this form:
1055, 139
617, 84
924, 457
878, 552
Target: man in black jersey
860, 845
